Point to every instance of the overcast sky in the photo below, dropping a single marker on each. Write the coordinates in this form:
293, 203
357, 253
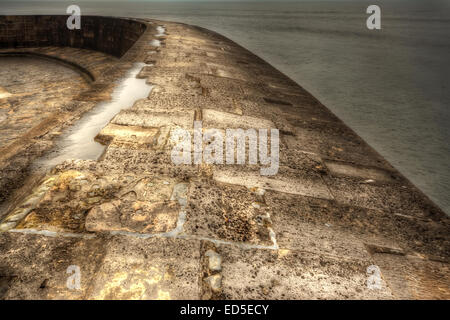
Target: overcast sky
76, 1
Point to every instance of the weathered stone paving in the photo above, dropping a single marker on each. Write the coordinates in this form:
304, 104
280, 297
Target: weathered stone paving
46, 89
140, 227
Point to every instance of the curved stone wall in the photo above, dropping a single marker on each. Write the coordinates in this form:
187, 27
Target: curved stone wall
106, 34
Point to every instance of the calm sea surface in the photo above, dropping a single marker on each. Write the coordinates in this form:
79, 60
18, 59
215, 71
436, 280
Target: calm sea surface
391, 86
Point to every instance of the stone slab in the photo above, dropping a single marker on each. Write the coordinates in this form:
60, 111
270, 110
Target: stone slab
294, 275
143, 269
313, 187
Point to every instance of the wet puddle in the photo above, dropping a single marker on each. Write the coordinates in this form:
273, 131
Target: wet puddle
77, 142
155, 43
161, 31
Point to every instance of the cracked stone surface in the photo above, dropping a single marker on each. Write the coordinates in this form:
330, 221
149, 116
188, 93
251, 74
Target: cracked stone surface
140, 227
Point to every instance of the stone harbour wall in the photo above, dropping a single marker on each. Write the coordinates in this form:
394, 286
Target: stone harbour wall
105, 34
336, 222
